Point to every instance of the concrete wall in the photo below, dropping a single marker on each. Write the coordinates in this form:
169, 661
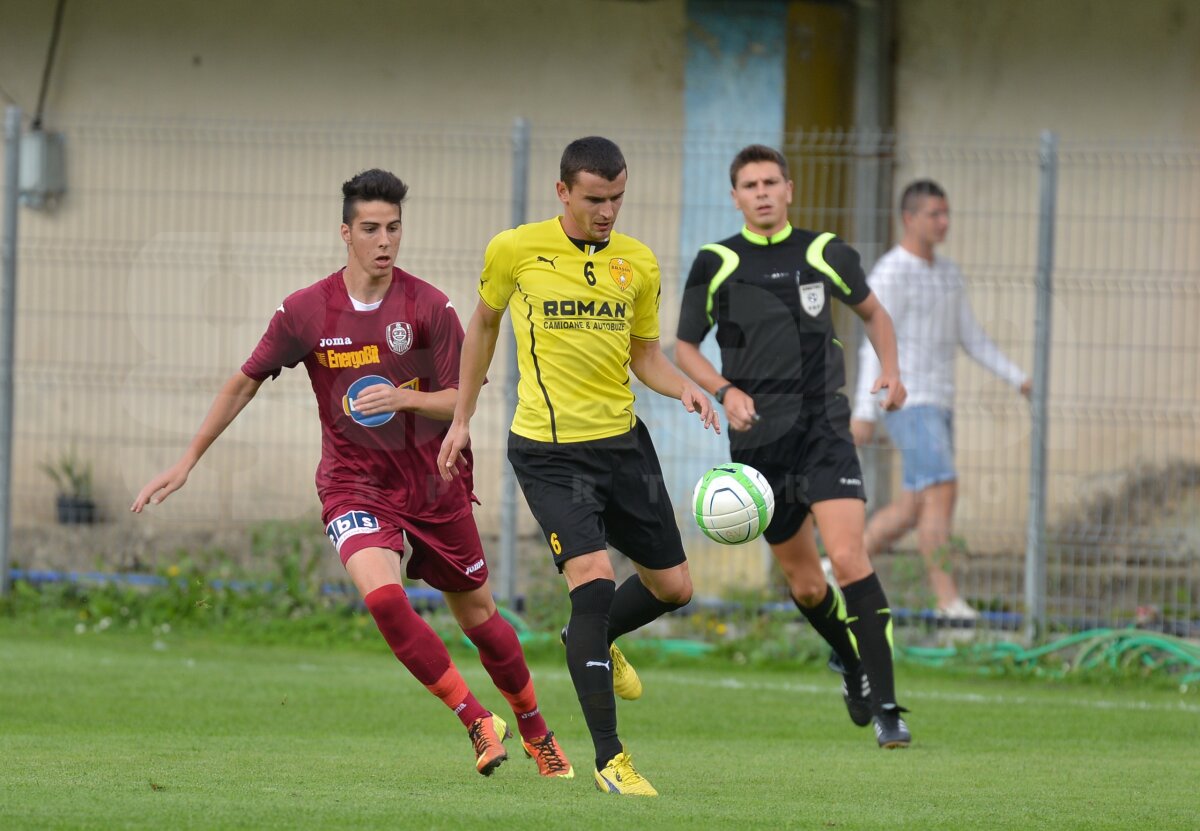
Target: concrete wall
176, 240
1117, 81
207, 142
458, 61
1086, 68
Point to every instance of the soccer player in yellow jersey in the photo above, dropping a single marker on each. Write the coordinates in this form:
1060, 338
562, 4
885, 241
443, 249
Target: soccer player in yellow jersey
584, 302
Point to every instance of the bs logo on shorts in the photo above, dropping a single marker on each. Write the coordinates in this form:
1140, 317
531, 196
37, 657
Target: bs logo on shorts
350, 524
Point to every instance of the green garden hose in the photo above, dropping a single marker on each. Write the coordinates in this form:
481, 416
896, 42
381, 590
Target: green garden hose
1120, 649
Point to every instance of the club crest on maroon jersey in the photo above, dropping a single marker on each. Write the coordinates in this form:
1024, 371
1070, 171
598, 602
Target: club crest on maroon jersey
399, 337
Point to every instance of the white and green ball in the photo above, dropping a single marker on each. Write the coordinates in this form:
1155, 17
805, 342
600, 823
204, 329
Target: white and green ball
733, 503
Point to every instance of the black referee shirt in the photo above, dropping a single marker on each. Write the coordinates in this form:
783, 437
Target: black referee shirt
769, 299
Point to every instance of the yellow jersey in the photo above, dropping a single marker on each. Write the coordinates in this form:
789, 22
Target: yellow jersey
575, 306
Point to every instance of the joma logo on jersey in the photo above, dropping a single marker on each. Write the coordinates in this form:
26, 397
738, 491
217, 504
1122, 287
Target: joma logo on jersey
333, 359
334, 342
582, 308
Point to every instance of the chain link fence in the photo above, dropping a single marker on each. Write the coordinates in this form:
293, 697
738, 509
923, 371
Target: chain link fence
153, 279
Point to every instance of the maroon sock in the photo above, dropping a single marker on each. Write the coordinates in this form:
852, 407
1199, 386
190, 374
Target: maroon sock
501, 655
421, 651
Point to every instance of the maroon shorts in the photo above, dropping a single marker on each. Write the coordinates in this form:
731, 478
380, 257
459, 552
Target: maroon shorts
446, 554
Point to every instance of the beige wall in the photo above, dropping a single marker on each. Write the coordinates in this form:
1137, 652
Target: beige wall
1121, 78
1087, 68
463, 61
194, 207
157, 275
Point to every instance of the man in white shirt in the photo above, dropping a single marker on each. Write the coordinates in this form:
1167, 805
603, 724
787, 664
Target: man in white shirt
927, 299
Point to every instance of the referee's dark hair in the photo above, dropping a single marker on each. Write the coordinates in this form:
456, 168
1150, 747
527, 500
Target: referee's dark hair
756, 153
372, 185
590, 154
918, 190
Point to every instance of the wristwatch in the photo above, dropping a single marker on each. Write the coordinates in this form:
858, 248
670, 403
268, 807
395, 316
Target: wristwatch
720, 393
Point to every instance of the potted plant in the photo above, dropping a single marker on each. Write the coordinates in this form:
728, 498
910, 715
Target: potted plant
73, 478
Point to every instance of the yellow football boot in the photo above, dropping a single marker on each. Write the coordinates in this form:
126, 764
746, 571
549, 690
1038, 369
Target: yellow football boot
619, 776
626, 683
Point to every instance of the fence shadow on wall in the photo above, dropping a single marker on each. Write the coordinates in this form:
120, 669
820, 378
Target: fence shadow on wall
176, 240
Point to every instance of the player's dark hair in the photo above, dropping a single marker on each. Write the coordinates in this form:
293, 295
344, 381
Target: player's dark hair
910, 200
591, 154
756, 153
372, 185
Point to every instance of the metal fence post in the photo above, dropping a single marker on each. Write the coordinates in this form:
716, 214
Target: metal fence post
1035, 537
870, 236
508, 480
8, 322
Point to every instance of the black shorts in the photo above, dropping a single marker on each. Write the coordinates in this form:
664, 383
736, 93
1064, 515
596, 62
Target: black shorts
588, 494
813, 461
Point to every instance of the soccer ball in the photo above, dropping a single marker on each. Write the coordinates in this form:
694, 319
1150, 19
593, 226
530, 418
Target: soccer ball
733, 503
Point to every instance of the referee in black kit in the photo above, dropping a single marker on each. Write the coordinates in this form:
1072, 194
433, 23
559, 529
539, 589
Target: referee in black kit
767, 292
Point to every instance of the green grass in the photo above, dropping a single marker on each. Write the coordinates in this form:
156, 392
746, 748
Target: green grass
108, 731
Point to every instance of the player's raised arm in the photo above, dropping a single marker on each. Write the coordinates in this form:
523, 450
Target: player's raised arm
478, 347
739, 407
653, 369
234, 395
384, 398
445, 330
882, 334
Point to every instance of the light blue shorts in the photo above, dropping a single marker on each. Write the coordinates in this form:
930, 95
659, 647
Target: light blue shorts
924, 434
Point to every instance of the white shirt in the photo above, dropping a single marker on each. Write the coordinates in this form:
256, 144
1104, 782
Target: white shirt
932, 315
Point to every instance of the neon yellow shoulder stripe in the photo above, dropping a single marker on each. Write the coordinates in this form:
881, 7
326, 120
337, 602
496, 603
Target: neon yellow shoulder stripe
729, 261
816, 258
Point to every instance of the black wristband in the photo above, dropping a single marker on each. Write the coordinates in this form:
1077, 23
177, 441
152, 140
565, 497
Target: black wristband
720, 393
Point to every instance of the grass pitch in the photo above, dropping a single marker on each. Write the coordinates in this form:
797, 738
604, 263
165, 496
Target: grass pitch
115, 731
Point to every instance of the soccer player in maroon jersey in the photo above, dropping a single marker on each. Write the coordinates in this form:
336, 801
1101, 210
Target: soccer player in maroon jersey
382, 352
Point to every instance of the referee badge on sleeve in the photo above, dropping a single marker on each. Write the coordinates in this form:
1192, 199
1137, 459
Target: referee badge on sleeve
812, 298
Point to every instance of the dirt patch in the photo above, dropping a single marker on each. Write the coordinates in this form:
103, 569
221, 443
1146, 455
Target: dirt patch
1153, 514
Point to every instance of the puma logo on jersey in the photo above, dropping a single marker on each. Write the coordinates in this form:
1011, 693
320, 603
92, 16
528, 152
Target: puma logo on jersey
551, 260
605, 664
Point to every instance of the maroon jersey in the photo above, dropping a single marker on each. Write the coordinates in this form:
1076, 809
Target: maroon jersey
412, 339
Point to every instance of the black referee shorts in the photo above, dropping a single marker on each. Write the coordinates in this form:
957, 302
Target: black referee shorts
813, 461
588, 494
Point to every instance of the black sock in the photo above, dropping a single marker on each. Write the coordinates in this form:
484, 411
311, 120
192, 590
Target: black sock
870, 622
828, 618
590, 665
634, 606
